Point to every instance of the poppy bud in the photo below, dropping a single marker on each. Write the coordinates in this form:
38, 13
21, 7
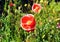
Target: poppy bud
11, 4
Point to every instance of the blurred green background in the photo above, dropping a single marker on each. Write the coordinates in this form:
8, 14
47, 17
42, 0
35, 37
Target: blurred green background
46, 22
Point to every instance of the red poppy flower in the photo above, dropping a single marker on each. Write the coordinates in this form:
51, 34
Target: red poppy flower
28, 22
11, 4
36, 8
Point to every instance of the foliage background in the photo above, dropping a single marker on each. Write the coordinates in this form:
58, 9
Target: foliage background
46, 22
